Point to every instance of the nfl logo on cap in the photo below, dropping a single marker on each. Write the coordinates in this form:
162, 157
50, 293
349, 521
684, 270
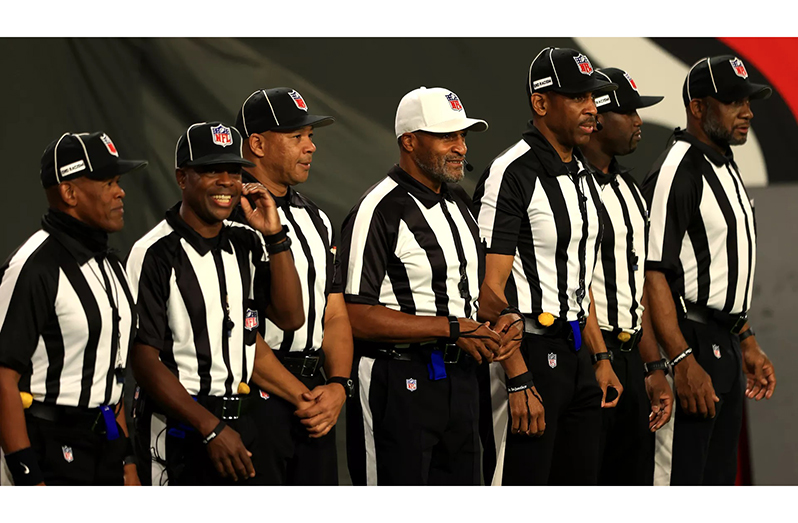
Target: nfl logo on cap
412, 384
739, 68
298, 100
631, 82
552, 360
584, 64
109, 144
221, 135
454, 102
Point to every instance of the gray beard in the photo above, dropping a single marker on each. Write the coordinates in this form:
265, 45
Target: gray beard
438, 172
722, 137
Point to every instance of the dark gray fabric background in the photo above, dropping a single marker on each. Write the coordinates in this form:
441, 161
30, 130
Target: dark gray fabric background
145, 92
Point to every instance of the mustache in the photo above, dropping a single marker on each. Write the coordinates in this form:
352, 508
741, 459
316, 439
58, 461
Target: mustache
590, 120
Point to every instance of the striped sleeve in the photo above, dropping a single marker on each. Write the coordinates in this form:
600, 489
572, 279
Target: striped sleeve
673, 195
368, 238
502, 203
149, 272
27, 300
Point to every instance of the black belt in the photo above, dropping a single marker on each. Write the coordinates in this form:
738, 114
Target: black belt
701, 314
65, 415
418, 352
227, 408
559, 329
613, 341
304, 364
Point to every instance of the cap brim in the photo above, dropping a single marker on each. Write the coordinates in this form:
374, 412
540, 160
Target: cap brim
640, 103
218, 159
593, 85
118, 168
460, 124
311, 119
751, 90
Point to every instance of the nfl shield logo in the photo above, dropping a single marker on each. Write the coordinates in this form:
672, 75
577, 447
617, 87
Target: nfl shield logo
454, 102
631, 82
264, 394
739, 68
251, 320
716, 350
68, 454
297, 98
584, 64
552, 360
221, 135
109, 144
412, 385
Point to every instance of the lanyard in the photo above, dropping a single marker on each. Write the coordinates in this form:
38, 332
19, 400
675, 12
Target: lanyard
462, 285
113, 298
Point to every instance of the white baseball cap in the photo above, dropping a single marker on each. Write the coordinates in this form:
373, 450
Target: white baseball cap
435, 110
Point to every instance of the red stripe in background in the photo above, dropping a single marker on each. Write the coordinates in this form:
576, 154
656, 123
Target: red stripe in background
773, 58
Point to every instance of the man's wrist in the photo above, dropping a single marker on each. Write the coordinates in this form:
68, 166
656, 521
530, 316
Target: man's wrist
600, 357
346, 383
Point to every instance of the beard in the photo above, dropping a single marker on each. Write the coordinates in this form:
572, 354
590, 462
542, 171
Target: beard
715, 131
436, 168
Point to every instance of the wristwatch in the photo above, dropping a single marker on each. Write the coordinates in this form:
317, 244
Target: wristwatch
347, 383
656, 365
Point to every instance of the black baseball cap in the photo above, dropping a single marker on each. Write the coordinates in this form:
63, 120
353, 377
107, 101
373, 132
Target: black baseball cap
564, 71
211, 143
92, 155
723, 78
625, 98
278, 109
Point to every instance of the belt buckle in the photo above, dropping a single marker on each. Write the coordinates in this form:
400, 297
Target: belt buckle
305, 366
447, 358
740, 323
237, 409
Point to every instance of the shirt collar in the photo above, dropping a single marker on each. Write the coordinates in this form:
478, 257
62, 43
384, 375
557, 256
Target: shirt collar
82, 241
545, 152
291, 197
199, 243
713, 155
417, 189
614, 170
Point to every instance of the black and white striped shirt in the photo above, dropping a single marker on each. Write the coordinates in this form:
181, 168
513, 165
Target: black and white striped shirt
702, 233
312, 246
410, 249
546, 214
619, 274
58, 296
180, 281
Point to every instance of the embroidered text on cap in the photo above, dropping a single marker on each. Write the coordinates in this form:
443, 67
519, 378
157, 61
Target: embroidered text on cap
739, 67
221, 135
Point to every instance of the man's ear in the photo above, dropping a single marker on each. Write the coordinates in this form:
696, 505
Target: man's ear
697, 108
68, 192
180, 176
407, 142
540, 103
257, 144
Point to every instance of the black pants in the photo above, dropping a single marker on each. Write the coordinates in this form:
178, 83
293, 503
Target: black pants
75, 455
288, 455
171, 453
627, 444
703, 451
406, 429
568, 451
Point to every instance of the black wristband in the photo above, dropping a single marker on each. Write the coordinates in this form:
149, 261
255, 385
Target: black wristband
747, 334
215, 432
649, 367
681, 356
24, 468
271, 239
520, 382
595, 358
277, 248
454, 329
